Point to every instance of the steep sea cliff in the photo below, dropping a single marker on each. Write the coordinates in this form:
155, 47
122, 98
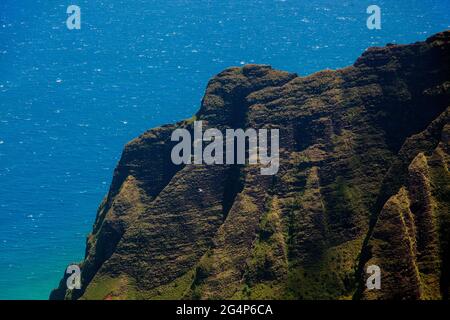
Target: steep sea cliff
363, 179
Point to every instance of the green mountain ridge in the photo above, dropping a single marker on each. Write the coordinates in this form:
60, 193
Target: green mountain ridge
363, 180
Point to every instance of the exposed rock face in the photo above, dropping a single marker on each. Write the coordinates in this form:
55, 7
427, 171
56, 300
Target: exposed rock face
363, 180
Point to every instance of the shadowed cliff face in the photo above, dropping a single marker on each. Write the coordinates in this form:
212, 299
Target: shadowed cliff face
363, 180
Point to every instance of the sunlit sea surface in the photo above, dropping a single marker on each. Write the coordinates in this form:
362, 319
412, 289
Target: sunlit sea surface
70, 100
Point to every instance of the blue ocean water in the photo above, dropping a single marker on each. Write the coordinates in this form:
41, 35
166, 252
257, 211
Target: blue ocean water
70, 100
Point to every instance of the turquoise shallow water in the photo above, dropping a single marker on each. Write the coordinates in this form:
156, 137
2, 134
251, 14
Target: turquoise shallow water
70, 100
